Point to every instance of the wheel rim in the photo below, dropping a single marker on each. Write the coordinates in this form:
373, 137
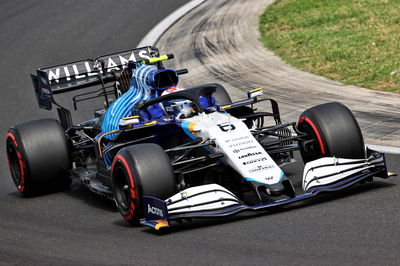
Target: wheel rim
313, 150
15, 164
122, 189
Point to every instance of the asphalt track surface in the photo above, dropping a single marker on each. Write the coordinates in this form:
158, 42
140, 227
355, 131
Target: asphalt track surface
219, 42
355, 226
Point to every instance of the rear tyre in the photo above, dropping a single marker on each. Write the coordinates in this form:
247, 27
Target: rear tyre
137, 171
333, 130
38, 157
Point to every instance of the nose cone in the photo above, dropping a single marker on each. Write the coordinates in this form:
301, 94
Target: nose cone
275, 189
285, 187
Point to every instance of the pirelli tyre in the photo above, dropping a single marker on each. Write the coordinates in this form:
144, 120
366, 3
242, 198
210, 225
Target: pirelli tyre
137, 171
38, 157
333, 131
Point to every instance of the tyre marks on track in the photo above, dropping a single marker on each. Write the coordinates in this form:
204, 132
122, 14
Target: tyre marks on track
219, 42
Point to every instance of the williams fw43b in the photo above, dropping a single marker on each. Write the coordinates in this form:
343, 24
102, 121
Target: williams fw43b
164, 153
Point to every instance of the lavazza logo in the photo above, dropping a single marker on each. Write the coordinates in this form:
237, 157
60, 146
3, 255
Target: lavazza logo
154, 210
249, 154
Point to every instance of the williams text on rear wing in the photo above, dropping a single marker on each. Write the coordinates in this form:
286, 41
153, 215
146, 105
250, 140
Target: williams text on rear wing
84, 73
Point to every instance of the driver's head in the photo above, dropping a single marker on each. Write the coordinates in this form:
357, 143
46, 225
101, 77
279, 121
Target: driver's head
172, 90
180, 107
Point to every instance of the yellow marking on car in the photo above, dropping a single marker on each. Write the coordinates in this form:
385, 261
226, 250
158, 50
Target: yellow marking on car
254, 90
101, 137
160, 224
226, 106
130, 117
150, 123
158, 59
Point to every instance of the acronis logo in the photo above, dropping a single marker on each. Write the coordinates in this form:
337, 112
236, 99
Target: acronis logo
154, 210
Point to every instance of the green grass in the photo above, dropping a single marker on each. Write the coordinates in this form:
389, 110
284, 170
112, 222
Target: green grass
353, 41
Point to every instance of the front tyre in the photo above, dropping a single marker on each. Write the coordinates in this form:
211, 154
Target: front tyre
38, 156
332, 131
137, 171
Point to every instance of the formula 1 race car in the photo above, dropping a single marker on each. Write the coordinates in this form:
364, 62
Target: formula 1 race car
165, 153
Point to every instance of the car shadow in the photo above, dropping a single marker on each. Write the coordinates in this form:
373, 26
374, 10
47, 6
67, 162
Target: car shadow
79, 191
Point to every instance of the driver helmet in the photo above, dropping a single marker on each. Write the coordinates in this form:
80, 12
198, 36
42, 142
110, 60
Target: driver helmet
180, 108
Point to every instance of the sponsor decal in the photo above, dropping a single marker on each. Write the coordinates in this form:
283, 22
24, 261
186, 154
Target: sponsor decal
261, 168
269, 178
154, 210
85, 69
226, 127
255, 161
43, 93
237, 139
75, 71
249, 154
240, 143
240, 138
243, 149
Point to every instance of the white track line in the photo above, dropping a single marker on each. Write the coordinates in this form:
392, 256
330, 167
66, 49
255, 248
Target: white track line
152, 37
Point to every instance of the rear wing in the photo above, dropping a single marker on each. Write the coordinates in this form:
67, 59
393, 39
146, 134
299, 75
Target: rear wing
84, 73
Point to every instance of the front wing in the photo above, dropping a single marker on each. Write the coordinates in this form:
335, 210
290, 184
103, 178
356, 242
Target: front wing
158, 213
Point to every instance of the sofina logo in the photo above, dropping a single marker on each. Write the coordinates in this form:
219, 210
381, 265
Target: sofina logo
261, 168
154, 210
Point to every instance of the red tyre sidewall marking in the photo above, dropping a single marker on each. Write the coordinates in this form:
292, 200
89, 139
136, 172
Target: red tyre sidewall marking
21, 186
314, 128
131, 213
